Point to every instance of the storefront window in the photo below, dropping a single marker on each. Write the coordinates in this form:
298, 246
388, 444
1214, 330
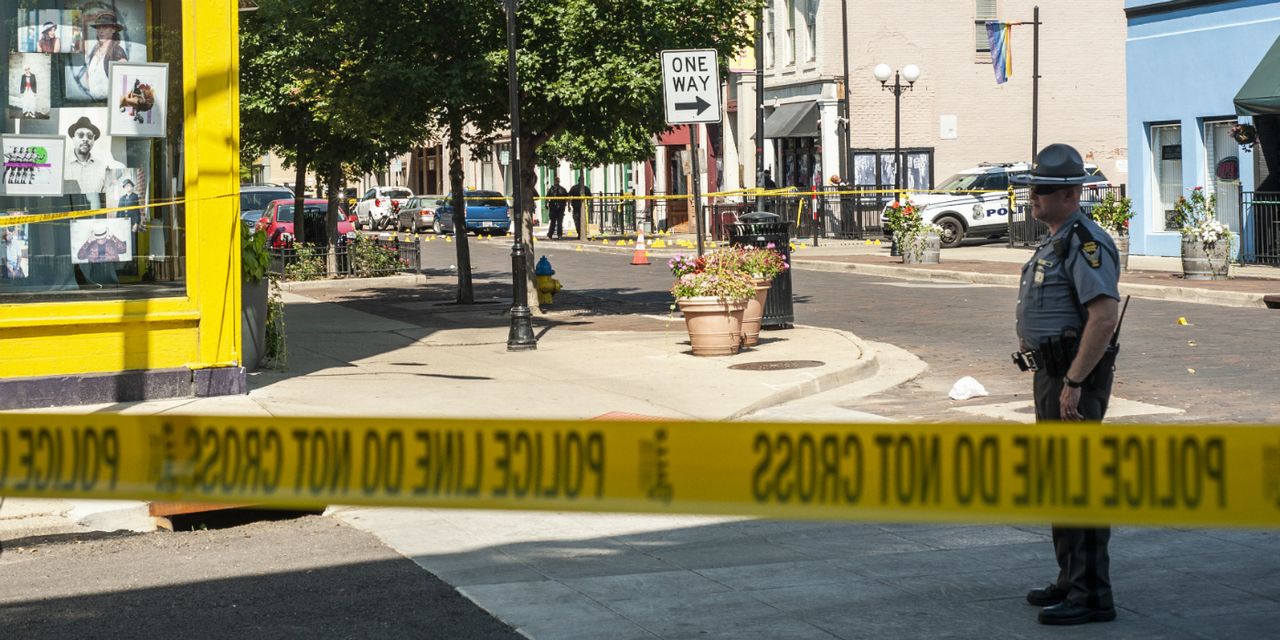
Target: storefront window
91, 205
1166, 149
1222, 155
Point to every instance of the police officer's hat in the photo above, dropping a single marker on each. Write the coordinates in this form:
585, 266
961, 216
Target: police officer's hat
1055, 164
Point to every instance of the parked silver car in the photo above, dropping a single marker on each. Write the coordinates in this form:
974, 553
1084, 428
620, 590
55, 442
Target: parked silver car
418, 215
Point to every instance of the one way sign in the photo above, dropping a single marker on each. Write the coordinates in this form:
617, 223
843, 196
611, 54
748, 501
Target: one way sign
690, 86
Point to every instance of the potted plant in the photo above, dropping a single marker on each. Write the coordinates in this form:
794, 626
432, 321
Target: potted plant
918, 242
1206, 241
1113, 215
712, 295
896, 218
253, 294
1245, 134
762, 264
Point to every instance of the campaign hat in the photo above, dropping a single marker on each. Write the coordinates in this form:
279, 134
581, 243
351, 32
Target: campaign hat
1055, 164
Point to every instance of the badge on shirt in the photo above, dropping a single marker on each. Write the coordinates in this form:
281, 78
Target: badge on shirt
1039, 277
1092, 254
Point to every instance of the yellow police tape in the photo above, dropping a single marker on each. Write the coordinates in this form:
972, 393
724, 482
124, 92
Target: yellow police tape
36, 218
1210, 476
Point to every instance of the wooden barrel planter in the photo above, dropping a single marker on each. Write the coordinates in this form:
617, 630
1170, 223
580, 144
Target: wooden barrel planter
1205, 263
921, 249
714, 325
1122, 247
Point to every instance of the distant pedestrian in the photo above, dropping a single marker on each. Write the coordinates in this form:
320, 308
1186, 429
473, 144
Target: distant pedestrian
579, 190
556, 208
1067, 318
768, 181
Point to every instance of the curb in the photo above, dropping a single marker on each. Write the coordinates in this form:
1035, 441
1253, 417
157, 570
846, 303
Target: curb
866, 366
1150, 291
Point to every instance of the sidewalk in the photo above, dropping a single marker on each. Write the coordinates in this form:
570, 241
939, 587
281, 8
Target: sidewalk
1148, 276
619, 576
419, 357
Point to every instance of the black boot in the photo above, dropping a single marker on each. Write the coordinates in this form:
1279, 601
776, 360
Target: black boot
1046, 597
1075, 613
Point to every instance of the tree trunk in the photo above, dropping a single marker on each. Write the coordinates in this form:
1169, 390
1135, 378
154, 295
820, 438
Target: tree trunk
528, 191
299, 196
466, 292
333, 215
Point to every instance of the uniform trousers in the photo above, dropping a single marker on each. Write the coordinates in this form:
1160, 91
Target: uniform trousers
556, 229
1083, 560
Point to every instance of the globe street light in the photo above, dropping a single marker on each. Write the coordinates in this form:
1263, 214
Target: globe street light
520, 337
910, 73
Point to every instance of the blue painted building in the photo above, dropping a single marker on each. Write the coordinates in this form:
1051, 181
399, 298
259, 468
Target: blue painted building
1187, 61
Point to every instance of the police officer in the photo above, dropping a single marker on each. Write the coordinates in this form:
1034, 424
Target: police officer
1067, 313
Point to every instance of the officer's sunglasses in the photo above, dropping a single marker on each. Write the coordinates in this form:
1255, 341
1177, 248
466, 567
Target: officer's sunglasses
1047, 189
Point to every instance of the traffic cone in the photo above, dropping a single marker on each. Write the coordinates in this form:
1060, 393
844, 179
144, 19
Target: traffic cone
640, 256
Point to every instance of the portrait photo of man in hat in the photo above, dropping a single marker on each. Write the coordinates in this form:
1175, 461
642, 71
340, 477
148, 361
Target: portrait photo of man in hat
88, 154
101, 240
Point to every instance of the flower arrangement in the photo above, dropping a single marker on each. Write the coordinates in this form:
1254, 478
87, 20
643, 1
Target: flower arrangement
1197, 219
730, 287
1245, 134
1113, 214
728, 273
681, 265
254, 258
901, 217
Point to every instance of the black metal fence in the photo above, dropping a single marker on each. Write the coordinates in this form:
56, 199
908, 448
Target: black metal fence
1026, 231
612, 216
367, 257
832, 214
1260, 211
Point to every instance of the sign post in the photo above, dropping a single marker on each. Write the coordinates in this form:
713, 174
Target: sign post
691, 95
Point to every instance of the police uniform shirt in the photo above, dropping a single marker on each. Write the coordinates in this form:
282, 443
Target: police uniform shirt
1056, 284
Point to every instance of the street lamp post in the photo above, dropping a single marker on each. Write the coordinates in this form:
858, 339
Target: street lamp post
520, 337
910, 73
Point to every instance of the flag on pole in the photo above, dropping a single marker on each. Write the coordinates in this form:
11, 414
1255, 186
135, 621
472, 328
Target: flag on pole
998, 35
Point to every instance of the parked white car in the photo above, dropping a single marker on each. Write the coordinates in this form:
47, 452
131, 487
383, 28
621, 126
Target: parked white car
962, 214
378, 208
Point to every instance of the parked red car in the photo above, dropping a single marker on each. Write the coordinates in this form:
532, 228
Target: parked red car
278, 219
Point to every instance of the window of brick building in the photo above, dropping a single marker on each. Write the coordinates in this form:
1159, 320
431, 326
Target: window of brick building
983, 12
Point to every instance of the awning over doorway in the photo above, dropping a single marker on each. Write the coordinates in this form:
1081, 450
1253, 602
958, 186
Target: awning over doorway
796, 120
1260, 94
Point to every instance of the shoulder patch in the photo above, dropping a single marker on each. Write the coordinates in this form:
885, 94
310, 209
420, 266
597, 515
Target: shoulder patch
1091, 253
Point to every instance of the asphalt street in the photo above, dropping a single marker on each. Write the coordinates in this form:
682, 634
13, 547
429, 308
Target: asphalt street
1219, 367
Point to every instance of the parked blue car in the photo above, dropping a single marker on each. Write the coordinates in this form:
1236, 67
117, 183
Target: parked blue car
487, 212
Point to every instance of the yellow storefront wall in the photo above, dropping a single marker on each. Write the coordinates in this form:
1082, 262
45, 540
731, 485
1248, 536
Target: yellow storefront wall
202, 329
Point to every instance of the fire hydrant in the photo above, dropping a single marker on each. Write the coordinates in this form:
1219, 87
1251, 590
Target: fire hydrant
547, 286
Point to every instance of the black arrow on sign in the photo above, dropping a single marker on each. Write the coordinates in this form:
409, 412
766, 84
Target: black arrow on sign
698, 103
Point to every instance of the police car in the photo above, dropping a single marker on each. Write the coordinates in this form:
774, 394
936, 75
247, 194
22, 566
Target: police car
961, 214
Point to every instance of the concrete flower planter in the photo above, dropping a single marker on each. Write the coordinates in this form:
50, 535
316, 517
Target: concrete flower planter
1122, 247
714, 325
924, 248
253, 323
753, 313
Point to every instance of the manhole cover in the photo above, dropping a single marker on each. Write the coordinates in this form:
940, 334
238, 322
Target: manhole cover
777, 365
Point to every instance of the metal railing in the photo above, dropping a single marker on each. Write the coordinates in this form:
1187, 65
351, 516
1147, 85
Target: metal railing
372, 257
1026, 231
1260, 214
612, 216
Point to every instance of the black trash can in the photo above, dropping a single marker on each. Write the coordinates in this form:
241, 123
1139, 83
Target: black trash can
759, 229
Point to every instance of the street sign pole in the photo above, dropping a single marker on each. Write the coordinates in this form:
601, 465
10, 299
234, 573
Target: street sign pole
695, 132
691, 96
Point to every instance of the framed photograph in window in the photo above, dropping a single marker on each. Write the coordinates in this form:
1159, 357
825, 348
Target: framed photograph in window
101, 240
33, 165
138, 99
29, 84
